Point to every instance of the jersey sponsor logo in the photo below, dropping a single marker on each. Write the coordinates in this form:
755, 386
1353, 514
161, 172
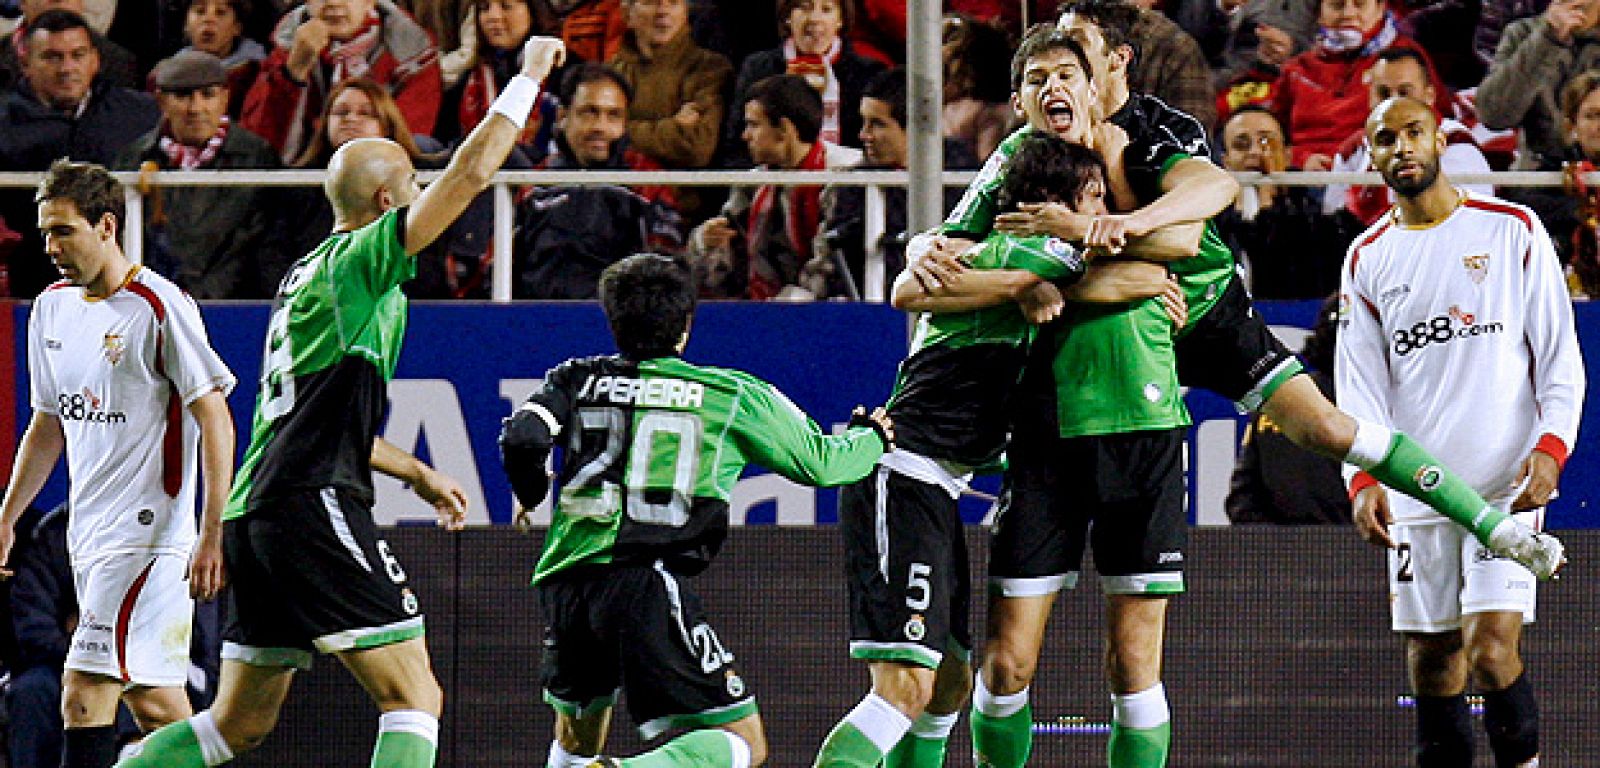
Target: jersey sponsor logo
1441, 329
648, 393
1477, 265
114, 346
1391, 295
54, 345
85, 406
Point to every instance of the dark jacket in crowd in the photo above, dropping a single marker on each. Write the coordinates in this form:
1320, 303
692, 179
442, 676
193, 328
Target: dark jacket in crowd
212, 241
43, 601
1558, 210
118, 65
566, 236
1281, 483
853, 71
1293, 249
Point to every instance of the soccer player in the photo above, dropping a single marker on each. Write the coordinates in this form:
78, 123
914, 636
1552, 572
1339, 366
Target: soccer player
652, 447
905, 543
124, 380
309, 571
1458, 328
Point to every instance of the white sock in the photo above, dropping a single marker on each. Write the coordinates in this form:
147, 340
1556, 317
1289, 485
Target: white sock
931, 726
997, 706
213, 748
413, 721
561, 758
1371, 444
741, 750
1145, 709
879, 721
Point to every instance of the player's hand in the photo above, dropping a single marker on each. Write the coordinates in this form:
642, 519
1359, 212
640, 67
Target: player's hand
1275, 46
310, 38
445, 494
1041, 303
1173, 301
1372, 516
1109, 232
542, 54
716, 233
1044, 219
206, 572
936, 263
878, 420
1541, 473
8, 537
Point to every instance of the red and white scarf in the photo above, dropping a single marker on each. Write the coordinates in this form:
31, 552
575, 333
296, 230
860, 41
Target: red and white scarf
804, 212
352, 58
818, 71
187, 158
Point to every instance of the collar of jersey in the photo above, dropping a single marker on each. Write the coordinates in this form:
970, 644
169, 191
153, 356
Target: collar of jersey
124, 284
1394, 214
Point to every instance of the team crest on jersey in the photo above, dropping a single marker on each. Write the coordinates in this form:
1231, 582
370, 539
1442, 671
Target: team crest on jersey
114, 345
1477, 266
916, 629
1428, 478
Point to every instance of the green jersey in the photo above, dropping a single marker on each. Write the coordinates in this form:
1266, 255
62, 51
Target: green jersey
651, 453
331, 347
952, 395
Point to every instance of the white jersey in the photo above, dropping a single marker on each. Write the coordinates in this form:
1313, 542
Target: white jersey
119, 373
1461, 335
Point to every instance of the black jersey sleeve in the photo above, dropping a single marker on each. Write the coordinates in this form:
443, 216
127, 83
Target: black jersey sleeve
527, 435
1146, 162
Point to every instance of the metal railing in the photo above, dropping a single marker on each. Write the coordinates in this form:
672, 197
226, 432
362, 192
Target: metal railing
874, 182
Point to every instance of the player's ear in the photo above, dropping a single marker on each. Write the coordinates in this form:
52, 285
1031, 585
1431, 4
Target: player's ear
1016, 105
107, 226
382, 198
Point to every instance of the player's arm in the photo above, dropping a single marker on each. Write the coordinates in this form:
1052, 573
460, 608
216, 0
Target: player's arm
1018, 265
37, 454
484, 150
433, 486
1559, 380
1361, 372
206, 573
774, 433
1192, 190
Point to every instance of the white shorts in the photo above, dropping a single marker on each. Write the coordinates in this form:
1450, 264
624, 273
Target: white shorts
1440, 572
134, 619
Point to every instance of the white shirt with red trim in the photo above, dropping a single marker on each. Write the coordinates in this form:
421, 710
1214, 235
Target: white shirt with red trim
119, 373
1461, 335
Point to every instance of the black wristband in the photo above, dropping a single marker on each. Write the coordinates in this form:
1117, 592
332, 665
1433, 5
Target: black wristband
862, 418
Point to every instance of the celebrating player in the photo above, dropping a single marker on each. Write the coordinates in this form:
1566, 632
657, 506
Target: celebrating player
124, 379
653, 446
309, 571
1457, 328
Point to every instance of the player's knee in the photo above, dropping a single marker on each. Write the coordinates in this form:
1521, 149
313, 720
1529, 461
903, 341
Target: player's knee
1007, 670
244, 731
908, 688
1494, 662
951, 689
421, 693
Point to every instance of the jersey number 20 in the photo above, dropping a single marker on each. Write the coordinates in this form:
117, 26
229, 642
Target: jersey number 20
664, 455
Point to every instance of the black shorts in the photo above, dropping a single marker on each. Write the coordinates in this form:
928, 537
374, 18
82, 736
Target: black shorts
309, 572
906, 559
1233, 353
637, 628
1123, 493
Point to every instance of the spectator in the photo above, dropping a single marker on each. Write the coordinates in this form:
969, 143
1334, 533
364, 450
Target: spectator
977, 84
217, 27
593, 29
566, 236
44, 613
1535, 60
1400, 72
814, 49
1278, 482
1493, 19
453, 25
679, 88
880, 31
1262, 36
1445, 29
1290, 248
839, 268
1570, 215
117, 65
756, 248
313, 52
60, 109
1314, 96
502, 27
1167, 62
210, 240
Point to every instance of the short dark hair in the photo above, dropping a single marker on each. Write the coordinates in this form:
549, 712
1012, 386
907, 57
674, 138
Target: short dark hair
90, 187
889, 87
1401, 53
649, 300
58, 20
789, 96
241, 8
1115, 18
1047, 168
978, 66
1249, 109
590, 72
847, 15
1042, 39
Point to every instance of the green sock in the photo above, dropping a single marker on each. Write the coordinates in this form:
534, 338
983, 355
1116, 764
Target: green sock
173, 746
1002, 742
1138, 747
696, 749
924, 745
847, 747
1411, 470
406, 739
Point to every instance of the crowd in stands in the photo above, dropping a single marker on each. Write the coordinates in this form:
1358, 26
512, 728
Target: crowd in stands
728, 84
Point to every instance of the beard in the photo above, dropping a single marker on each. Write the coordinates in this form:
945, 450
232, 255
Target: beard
1411, 187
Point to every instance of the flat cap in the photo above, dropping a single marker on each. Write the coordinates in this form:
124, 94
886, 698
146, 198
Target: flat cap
189, 69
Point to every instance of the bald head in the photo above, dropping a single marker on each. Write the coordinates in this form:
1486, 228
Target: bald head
367, 177
1403, 136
